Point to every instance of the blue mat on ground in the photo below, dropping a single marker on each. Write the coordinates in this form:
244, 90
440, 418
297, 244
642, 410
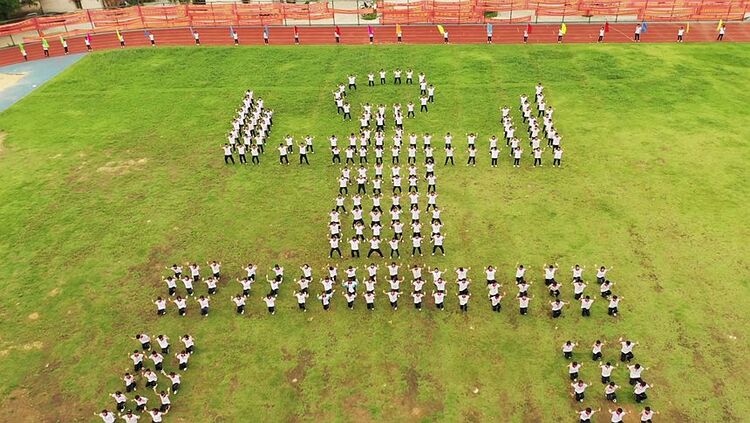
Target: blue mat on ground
37, 72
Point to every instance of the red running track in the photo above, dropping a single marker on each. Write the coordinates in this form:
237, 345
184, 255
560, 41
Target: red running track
412, 34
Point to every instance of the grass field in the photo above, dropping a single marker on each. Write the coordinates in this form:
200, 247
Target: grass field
113, 171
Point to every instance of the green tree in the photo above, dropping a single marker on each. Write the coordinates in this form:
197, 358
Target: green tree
9, 7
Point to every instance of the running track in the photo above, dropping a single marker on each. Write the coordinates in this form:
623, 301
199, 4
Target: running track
412, 34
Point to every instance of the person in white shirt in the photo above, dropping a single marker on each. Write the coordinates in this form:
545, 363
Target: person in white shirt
601, 274
163, 342
601, 35
183, 357
640, 391
577, 273
239, 301
301, 299
204, 302
106, 416
637, 34
557, 307
596, 350
617, 415
606, 371
722, 31
634, 373
120, 400
523, 303
157, 416
610, 391
579, 390
129, 417
520, 272
647, 415
145, 341
161, 306
614, 303
557, 157
463, 301
573, 369
439, 299
626, 350
549, 273
681, 34
270, 301
567, 349
495, 301
228, 154
584, 416
325, 299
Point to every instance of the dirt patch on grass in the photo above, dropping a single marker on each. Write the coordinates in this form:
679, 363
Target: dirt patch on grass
355, 410
33, 316
20, 407
649, 271
121, 168
296, 375
412, 407
2, 142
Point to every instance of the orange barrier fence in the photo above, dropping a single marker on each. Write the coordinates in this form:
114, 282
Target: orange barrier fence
388, 12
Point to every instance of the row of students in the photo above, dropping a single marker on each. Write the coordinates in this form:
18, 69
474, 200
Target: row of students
610, 391
617, 415
150, 379
393, 271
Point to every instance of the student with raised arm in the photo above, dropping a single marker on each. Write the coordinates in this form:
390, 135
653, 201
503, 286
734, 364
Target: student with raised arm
596, 350
239, 301
523, 303
626, 350
639, 391
647, 415
567, 349
612, 308
463, 301
325, 299
270, 301
606, 371
573, 369
584, 416
579, 390
246, 283
610, 391
556, 307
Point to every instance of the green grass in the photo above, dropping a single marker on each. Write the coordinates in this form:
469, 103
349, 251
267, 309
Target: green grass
654, 183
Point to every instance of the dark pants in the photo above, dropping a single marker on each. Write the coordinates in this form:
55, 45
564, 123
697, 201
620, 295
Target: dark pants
303, 157
228, 158
375, 250
337, 250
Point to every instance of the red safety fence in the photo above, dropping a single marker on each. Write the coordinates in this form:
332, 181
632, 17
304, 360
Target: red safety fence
388, 12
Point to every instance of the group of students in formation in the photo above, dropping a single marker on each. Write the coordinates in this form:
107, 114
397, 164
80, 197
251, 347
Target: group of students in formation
150, 379
343, 107
250, 130
351, 282
396, 223
253, 123
610, 391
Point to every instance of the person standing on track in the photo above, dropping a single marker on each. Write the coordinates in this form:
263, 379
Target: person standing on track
45, 47
601, 35
722, 31
637, 35
197, 38
235, 37
681, 34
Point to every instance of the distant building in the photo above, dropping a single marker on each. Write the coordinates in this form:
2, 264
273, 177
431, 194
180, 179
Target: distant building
60, 6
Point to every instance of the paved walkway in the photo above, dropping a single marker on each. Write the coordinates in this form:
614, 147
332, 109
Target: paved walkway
33, 74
